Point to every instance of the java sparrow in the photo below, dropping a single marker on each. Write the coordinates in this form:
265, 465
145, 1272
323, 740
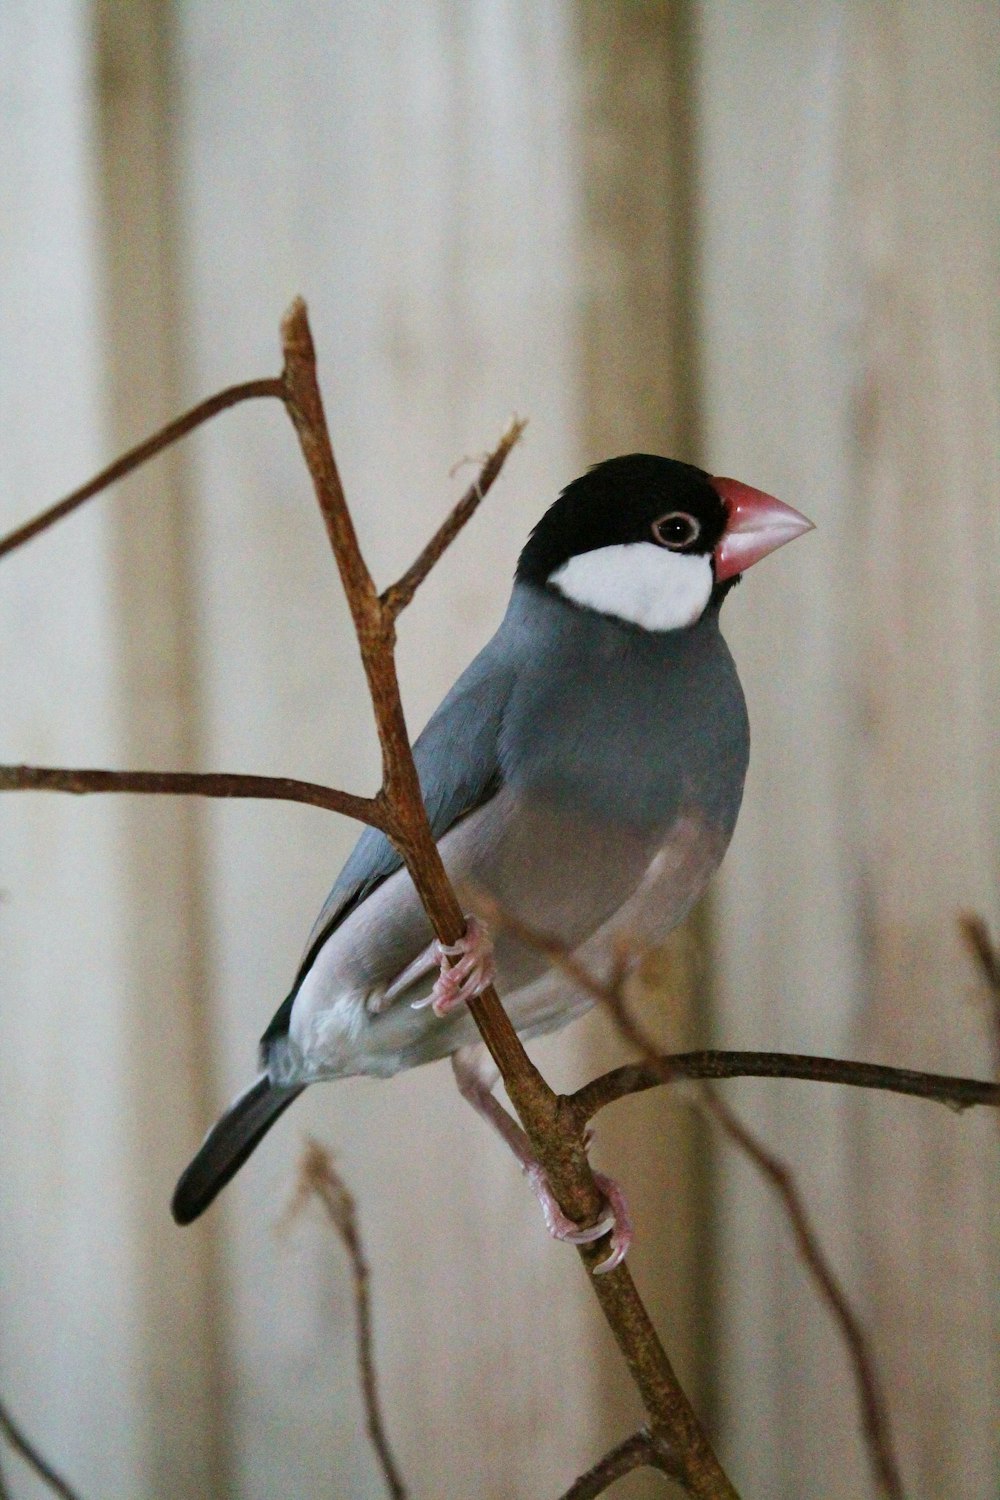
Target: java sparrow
585, 770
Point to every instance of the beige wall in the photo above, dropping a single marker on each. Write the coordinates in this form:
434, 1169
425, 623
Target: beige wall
757, 234
849, 233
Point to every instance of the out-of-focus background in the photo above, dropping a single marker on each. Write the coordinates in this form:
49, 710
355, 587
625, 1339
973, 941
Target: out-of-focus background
757, 235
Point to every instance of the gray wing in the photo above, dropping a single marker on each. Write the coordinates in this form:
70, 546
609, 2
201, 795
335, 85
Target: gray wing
457, 762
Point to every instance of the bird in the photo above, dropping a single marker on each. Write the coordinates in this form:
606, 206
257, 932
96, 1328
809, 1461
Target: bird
586, 771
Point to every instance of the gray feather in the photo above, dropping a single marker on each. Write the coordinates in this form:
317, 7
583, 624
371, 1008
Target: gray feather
227, 1146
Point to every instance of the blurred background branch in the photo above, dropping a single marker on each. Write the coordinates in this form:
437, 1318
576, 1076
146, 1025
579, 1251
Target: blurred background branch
612, 994
319, 1178
15, 1438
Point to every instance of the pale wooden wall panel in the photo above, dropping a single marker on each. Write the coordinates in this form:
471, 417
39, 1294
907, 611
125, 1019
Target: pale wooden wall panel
154, 652
776, 308
923, 158
70, 1304
848, 263
639, 394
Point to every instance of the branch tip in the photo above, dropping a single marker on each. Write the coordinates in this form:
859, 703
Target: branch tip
296, 334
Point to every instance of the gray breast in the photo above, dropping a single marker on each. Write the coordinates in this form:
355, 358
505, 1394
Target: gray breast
625, 726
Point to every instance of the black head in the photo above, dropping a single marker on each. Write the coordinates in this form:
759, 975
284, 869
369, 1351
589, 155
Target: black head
637, 498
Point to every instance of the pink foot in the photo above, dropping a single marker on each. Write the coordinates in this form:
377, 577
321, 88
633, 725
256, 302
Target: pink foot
470, 974
617, 1219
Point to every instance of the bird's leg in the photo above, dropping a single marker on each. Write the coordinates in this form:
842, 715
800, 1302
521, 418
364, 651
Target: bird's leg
473, 969
475, 1079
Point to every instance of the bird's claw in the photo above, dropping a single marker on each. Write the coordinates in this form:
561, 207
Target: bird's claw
471, 973
617, 1219
623, 1232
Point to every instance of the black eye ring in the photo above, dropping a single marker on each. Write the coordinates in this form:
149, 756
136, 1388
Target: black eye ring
676, 530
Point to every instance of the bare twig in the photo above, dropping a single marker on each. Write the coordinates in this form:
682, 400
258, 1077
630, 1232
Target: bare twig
633, 1078
192, 784
319, 1177
641, 1450
977, 935
874, 1414
561, 958
398, 595
986, 956
250, 390
27, 1450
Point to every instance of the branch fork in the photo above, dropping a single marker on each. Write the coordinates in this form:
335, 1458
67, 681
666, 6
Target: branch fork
556, 1127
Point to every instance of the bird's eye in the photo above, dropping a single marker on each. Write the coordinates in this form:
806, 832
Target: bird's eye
676, 530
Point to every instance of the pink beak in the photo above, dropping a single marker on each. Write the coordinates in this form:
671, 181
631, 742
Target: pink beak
757, 525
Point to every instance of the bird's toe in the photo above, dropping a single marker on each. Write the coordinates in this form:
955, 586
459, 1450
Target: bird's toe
472, 971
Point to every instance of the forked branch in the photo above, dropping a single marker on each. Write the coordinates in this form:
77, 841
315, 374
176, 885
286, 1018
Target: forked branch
674, 1441
398, 809
640, 1451
555, 1140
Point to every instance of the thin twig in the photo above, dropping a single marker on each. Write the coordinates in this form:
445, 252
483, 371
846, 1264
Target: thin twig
875, 1416
250, 390
318, 1176
192, 784
27, 1450
633, 1078
986, 956
398, 595
562, 958
658, 1069
641, 1450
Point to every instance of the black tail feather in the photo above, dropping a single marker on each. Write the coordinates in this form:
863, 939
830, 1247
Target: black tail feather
227, 1146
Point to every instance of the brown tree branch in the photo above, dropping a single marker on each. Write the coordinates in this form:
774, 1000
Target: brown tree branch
319, 1177
250, 390
875, 1418
554, 1137
192, 784
634, 1078
399, 594
641, 1450
12, 1433
398, 809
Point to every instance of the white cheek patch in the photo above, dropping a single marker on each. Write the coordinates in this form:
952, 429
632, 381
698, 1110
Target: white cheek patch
639, 582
